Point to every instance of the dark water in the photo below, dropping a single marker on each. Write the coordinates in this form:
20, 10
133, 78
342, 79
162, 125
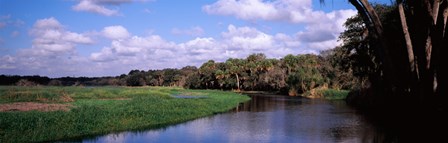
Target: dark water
265, 119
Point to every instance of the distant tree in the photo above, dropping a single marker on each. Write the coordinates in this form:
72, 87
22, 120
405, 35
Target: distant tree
136, 78
193, 81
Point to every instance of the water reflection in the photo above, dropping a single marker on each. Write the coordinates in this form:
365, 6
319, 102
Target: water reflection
267, 118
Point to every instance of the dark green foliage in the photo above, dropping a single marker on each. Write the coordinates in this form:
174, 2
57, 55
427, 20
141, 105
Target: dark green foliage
136, 78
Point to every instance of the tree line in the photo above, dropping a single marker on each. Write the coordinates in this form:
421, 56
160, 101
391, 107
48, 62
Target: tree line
293, 74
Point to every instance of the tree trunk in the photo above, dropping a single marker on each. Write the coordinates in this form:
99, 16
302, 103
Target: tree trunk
445, 16
373, 24
428, 47
407, 37
237, 82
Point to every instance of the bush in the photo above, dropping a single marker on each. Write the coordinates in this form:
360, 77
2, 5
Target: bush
24, 82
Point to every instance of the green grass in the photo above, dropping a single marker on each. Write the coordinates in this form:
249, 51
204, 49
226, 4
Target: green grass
102, 110
330, 94
333, 94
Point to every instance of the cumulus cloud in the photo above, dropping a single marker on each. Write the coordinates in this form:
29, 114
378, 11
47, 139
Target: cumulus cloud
54, 53
194, 31
247, 38
294, 11
115, 32
321, 28
91, 6
51, 36
52, 50
236, 42
243, 9
138, 52
101, 6
154, 52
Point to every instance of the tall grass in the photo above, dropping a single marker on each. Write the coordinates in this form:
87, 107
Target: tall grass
101, 110
326, 93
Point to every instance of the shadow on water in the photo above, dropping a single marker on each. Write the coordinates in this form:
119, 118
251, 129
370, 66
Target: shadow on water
266, 118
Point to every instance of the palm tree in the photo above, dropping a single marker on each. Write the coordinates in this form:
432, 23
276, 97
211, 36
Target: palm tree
235, 67
423, 26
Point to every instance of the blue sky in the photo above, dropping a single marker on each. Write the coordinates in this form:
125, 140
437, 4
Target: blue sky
110, 37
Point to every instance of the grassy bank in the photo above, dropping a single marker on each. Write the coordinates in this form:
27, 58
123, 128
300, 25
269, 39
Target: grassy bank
330, 94
101, 110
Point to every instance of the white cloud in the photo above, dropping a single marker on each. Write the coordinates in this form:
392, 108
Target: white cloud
201, 49
7, 62
294, 11
52, 53
101, 6
47, 23
329, 28
76, 38
154, 52
116, 32
194, 31
91, 6
134, 50
321, 29
51, 36
247, 38
116, 2
243, 9
106, 55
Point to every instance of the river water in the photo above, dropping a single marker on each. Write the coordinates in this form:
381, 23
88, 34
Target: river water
266, 118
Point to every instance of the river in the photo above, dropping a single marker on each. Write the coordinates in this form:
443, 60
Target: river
266, 118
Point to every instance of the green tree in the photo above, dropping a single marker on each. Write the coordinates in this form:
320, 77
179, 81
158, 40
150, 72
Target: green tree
207, 72
135, 78
235, 67
305, 74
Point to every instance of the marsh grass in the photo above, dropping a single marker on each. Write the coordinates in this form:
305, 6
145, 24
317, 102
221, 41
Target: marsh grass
327, 93
90, 114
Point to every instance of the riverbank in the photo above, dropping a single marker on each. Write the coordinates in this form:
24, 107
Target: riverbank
320, 93
99, 110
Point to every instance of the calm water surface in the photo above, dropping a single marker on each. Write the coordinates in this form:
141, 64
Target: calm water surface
266, 118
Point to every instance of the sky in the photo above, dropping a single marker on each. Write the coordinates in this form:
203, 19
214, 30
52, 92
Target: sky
58, 38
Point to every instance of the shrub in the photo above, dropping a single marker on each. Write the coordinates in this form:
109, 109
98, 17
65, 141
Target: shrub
24, 82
